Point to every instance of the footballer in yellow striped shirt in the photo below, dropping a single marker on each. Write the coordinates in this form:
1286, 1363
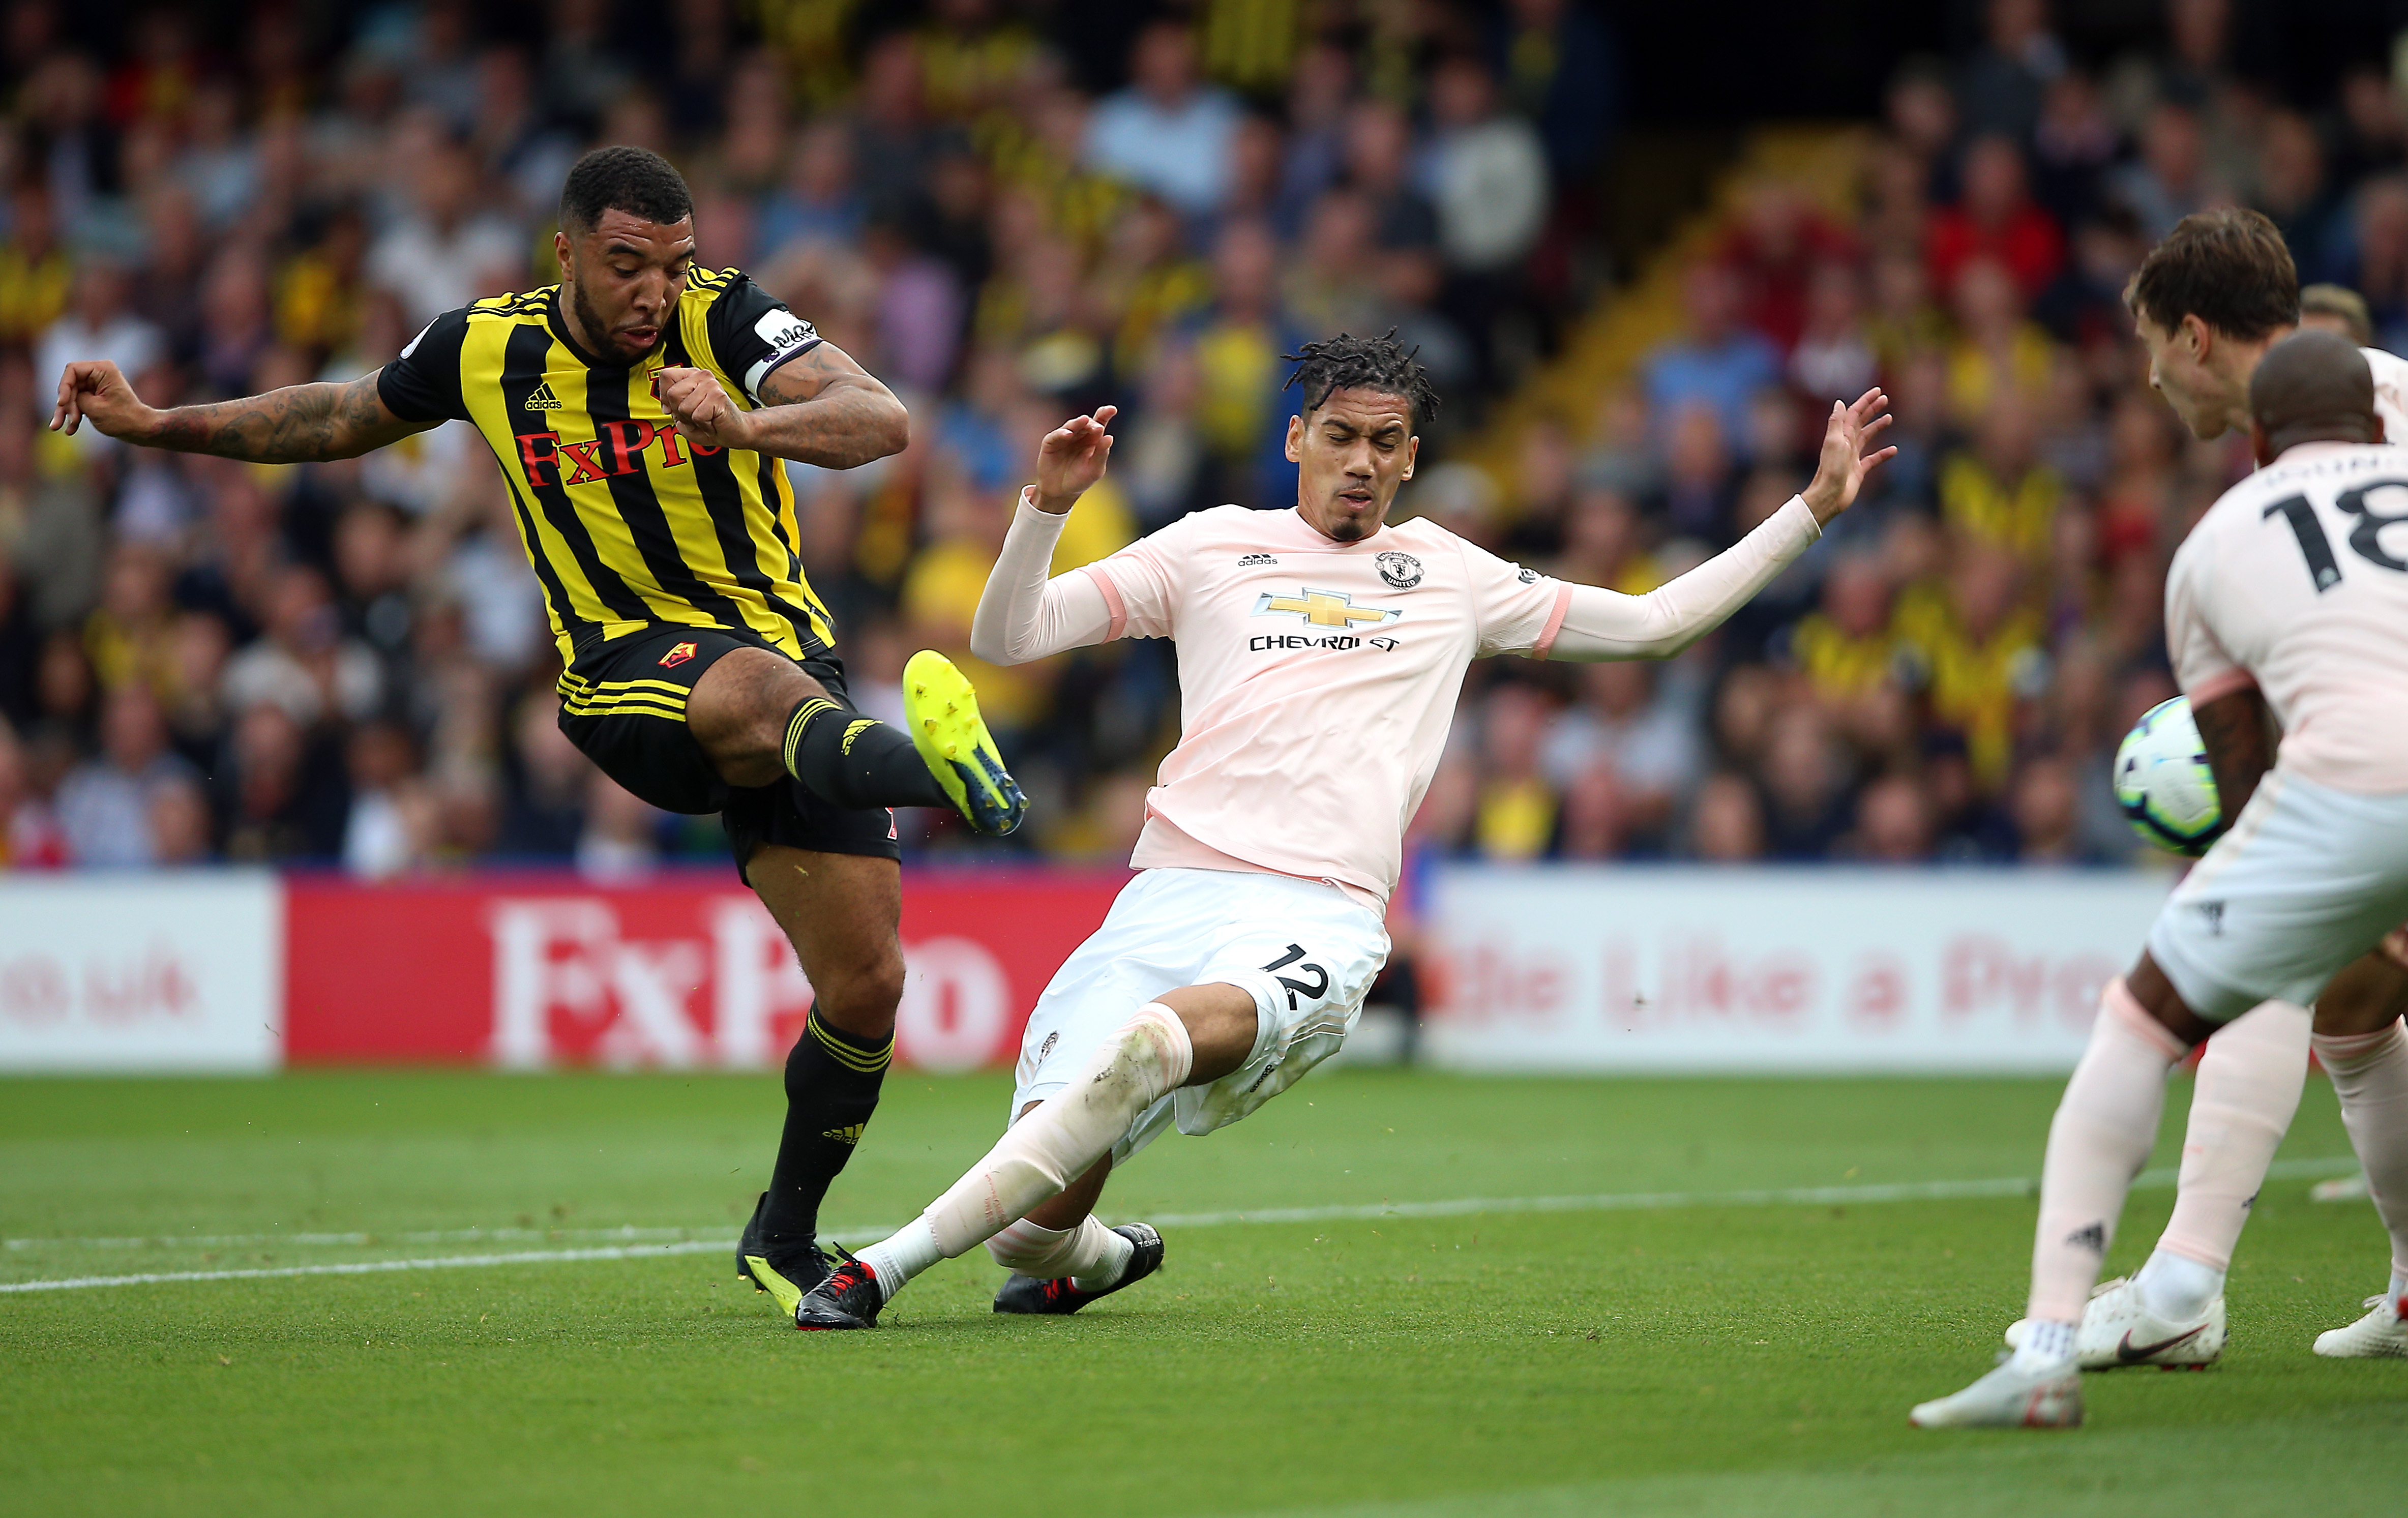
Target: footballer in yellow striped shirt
641, 410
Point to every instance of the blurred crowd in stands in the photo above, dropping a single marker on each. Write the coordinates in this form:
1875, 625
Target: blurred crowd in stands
1008, 212
1016, 211
1947, 675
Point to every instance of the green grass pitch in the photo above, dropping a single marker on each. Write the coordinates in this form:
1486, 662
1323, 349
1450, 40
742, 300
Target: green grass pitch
1699, 1357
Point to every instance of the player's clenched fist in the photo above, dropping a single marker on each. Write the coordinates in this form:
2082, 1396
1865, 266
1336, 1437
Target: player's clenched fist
1071, 459
93, 388
700, 407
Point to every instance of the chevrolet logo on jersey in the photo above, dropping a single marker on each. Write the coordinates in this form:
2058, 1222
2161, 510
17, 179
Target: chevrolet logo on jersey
1323, 609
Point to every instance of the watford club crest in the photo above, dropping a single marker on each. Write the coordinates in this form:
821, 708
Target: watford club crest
677, 655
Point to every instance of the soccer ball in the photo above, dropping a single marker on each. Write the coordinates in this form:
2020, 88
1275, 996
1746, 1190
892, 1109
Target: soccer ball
2163, 783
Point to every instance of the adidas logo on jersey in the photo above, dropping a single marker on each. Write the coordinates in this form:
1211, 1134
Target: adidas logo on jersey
543, 399
1257, 560
848, 1134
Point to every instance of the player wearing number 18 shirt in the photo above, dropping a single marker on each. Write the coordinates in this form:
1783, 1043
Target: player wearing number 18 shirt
2208, 304
1321, 650
2289, 600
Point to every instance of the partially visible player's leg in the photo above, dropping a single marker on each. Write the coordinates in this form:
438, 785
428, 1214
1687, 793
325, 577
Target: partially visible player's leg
840, 912
829, 879
2364, 1049
2246, 1091
761, 715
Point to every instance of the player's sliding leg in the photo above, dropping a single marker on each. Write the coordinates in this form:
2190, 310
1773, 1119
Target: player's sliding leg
2099, 1139
1192, 1036
840, 912
1062, 1257
760, 715
2363, 1048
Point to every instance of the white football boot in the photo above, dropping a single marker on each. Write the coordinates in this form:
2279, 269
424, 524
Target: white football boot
2381, 1335
2118, 1330
2009, 1399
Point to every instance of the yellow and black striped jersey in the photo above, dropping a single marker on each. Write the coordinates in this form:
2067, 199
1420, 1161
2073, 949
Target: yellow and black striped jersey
628, 524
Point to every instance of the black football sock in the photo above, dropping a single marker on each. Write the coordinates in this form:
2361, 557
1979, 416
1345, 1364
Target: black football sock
832, 1080
857, 762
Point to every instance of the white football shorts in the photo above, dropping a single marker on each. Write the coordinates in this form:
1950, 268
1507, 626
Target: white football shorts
2309, 879
1304, 951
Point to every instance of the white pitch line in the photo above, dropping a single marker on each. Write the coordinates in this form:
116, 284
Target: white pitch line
363, 1268
1906, 1191
1911, 1191
626, 1234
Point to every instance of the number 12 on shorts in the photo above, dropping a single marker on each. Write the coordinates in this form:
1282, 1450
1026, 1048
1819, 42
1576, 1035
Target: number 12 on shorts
1315, 991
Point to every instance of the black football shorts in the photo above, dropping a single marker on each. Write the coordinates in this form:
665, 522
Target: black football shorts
622, 703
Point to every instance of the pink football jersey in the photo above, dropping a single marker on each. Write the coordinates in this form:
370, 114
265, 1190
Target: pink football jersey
1317, 681
2296, 581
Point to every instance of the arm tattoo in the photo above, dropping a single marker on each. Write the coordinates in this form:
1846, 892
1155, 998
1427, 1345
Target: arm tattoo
824, 408
2233, 731
296, 424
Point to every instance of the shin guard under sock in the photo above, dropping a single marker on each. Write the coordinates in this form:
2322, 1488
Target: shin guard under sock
857, 762
2097, 1143
832, 1080
2241, 1103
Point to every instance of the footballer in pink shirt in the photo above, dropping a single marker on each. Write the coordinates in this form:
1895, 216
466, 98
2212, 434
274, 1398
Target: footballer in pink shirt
2289, 602
1321, 650
2208, 304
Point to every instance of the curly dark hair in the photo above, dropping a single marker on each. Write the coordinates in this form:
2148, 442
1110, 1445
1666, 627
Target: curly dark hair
633, 179
1347, 362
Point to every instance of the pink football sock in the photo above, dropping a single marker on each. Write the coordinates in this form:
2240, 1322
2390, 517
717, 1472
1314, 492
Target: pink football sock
2369, 1075
2249, 1087
2099, 1139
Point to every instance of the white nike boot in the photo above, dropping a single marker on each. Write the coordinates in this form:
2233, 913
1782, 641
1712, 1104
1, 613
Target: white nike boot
2118, 1330
2009, 1399
2381, 1335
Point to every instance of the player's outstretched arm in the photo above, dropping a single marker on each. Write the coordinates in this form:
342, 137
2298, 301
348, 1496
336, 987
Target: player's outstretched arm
1022, 615
1600, 625
296, 424
820, 409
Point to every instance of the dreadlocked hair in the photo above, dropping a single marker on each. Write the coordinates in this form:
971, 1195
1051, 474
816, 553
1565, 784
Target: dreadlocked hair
1347, 362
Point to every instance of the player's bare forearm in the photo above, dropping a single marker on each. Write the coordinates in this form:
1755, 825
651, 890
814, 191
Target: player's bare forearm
2237, 734
823, 408
297, 424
